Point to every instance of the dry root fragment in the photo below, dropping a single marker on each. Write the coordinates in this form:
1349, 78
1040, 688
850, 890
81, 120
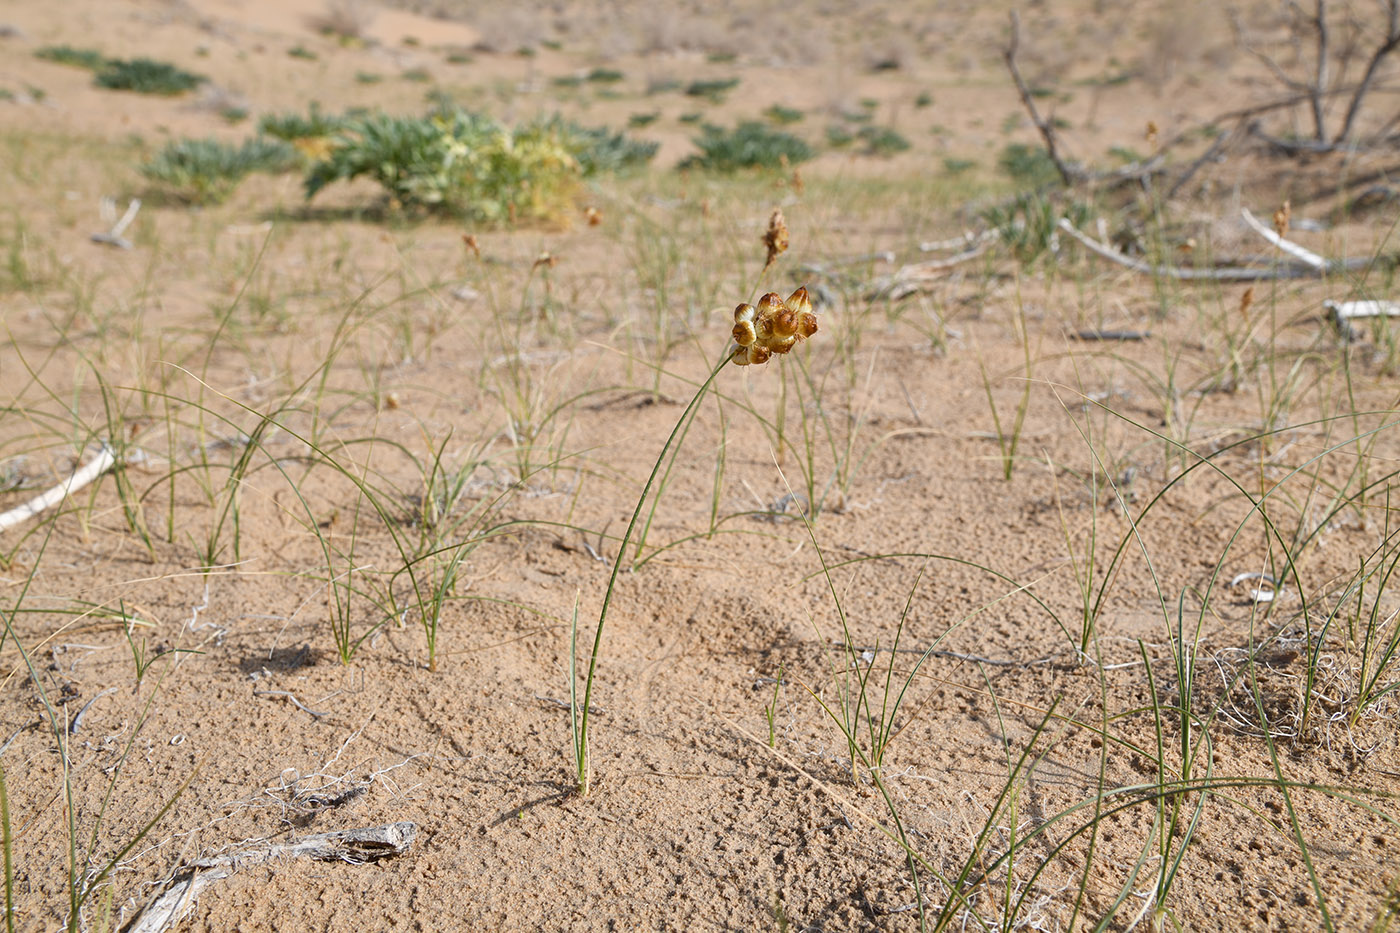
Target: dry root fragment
774, 326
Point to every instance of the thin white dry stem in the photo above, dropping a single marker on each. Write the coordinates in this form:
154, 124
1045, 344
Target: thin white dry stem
46, 500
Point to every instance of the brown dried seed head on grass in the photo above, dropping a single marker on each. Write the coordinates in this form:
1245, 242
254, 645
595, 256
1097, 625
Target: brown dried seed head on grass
1281, 218
776, 237
774, 326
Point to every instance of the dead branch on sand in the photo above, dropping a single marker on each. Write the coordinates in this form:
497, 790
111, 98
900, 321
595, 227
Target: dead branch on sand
355, 846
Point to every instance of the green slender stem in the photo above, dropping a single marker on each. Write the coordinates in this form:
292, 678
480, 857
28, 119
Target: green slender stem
617, 566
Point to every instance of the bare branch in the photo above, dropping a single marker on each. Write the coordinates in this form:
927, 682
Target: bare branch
1381, 53
1047, 132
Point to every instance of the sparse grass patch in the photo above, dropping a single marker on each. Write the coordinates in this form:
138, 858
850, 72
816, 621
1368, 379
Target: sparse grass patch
715, 90
784, 116
147, 76
748, 145
206, 171
90, 59
1028, 166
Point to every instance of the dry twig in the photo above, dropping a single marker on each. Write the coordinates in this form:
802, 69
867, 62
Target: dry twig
355, 846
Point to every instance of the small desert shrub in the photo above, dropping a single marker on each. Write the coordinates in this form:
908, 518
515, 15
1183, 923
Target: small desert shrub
639, 120
345, 19
1028, 166
605, 76
599, 149
303, 53
294, 126
784, 116
460, 163
749, 145
955, 166
206, 171
882, 141
713, 90
90, 59
838, 136
147, 76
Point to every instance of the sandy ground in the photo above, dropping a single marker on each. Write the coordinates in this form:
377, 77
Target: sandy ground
537, 386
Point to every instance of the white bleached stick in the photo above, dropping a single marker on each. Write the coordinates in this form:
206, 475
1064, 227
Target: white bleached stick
49, 498
1306, 256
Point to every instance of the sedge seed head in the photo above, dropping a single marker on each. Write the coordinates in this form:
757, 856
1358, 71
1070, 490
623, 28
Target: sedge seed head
773, 326
775, 239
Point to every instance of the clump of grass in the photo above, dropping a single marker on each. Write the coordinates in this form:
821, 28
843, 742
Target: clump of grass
294, 126
784, 116
91, 59
147, 76
599, 149
206, 171
715, 90
639, 120
417, 75
838, 136
749, 145
882, 140
605, 76
1028, 166
303, 53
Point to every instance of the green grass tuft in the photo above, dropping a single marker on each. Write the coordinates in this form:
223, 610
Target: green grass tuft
749, 145
147, 76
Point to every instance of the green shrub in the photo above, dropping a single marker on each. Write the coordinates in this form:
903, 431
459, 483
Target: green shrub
882, 140
303, 53
605, 76
1028, 166
784, 116
147, 76
293, 126
599, 149
713, 90
461, 163
749, 145
957, 166
206, 171
691, 117
639, 120
838, 136
90, 59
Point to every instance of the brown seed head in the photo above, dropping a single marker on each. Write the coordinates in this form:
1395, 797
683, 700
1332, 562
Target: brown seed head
773, 326
595, 216
775, 239
1281, 218
1246, 300
469, 241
